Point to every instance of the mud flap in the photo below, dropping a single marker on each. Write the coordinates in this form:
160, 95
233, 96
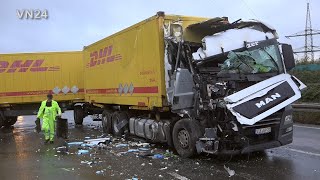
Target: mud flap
258, 101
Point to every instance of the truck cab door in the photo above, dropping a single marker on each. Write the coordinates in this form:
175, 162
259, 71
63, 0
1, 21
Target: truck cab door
181, 92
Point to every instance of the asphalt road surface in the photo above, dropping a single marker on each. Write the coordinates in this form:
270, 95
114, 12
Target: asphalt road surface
23, 155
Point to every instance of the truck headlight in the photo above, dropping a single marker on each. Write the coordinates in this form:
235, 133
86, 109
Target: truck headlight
288, 120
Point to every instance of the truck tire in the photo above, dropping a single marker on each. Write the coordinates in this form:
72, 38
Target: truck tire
10, 121
2, 119
107, 121
185, 134
117, 117
78, 115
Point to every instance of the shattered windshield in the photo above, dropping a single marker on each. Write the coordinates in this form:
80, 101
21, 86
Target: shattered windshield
263, 60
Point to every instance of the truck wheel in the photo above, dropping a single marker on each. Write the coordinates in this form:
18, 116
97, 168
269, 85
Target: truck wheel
2, 119
118, 117
185, 134
78, 115
10, 121
107, 121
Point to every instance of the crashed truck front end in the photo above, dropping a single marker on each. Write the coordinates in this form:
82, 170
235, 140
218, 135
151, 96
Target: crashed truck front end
233, 81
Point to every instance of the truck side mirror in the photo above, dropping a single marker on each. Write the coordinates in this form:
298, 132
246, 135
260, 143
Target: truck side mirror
288, 57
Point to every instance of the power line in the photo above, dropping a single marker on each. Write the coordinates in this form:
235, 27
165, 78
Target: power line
244, 2
308, 34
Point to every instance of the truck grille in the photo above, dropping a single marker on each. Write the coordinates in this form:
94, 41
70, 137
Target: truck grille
272, 121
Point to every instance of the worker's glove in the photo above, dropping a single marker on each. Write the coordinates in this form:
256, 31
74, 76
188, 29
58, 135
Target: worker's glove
38, 126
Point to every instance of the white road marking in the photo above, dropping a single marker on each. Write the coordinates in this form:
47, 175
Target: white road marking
178, 176
310, 127
304, 152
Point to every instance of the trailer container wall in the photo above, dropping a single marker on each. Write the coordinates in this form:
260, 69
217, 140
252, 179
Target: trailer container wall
127, 68
28, 77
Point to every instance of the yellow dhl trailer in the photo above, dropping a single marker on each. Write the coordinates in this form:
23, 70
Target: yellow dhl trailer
197, 84
26, 79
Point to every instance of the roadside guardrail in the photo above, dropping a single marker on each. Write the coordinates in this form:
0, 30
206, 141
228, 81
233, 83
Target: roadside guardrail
306, 107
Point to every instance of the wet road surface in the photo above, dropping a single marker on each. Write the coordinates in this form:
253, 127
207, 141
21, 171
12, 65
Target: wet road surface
23, 155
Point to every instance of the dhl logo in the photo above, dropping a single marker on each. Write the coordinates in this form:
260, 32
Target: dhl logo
103, 56
25, 66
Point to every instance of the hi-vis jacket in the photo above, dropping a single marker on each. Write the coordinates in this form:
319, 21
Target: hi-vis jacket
55, 109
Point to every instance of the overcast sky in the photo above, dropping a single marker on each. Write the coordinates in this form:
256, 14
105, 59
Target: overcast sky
73, 24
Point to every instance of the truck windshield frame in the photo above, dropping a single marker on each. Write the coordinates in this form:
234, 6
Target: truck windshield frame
258, 57
270, 48
243, 60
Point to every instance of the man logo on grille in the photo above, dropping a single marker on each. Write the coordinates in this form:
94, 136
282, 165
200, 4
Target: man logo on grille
268, 100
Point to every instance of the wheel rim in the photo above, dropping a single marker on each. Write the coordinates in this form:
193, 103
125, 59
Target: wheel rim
183, 137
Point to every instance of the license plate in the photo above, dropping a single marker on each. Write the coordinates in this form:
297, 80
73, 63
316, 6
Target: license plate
263, 130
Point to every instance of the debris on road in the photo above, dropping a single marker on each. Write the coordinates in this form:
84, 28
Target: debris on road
87, 162
62, 149
74, 143
98, 141
158, 156
83, 151
101, 172
133, 150
68, 169
121, 145
178, 176
230, 172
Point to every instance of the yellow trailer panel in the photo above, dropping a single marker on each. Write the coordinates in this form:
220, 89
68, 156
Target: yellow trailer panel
127, 68
28, 77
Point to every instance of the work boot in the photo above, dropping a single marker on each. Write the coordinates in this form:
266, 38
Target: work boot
46, 141
51, 142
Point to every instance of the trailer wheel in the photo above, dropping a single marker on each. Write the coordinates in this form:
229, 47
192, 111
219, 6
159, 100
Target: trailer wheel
78, 115
185, 134
117, 118
10, 121
107, 121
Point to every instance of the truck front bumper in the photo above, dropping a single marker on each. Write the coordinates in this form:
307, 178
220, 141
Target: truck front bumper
285, 139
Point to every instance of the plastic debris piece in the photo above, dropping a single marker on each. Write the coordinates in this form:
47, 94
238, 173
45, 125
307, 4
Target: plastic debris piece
121, 145
230, 172
88, 145
133, 150
98, 141
143, 164
83, 151
158, 156
145, 145
74, 143
144, 149
62, 149
163, 168
68, 169
99, 172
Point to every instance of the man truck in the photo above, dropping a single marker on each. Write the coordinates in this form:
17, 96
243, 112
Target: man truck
197, 84
27, 78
